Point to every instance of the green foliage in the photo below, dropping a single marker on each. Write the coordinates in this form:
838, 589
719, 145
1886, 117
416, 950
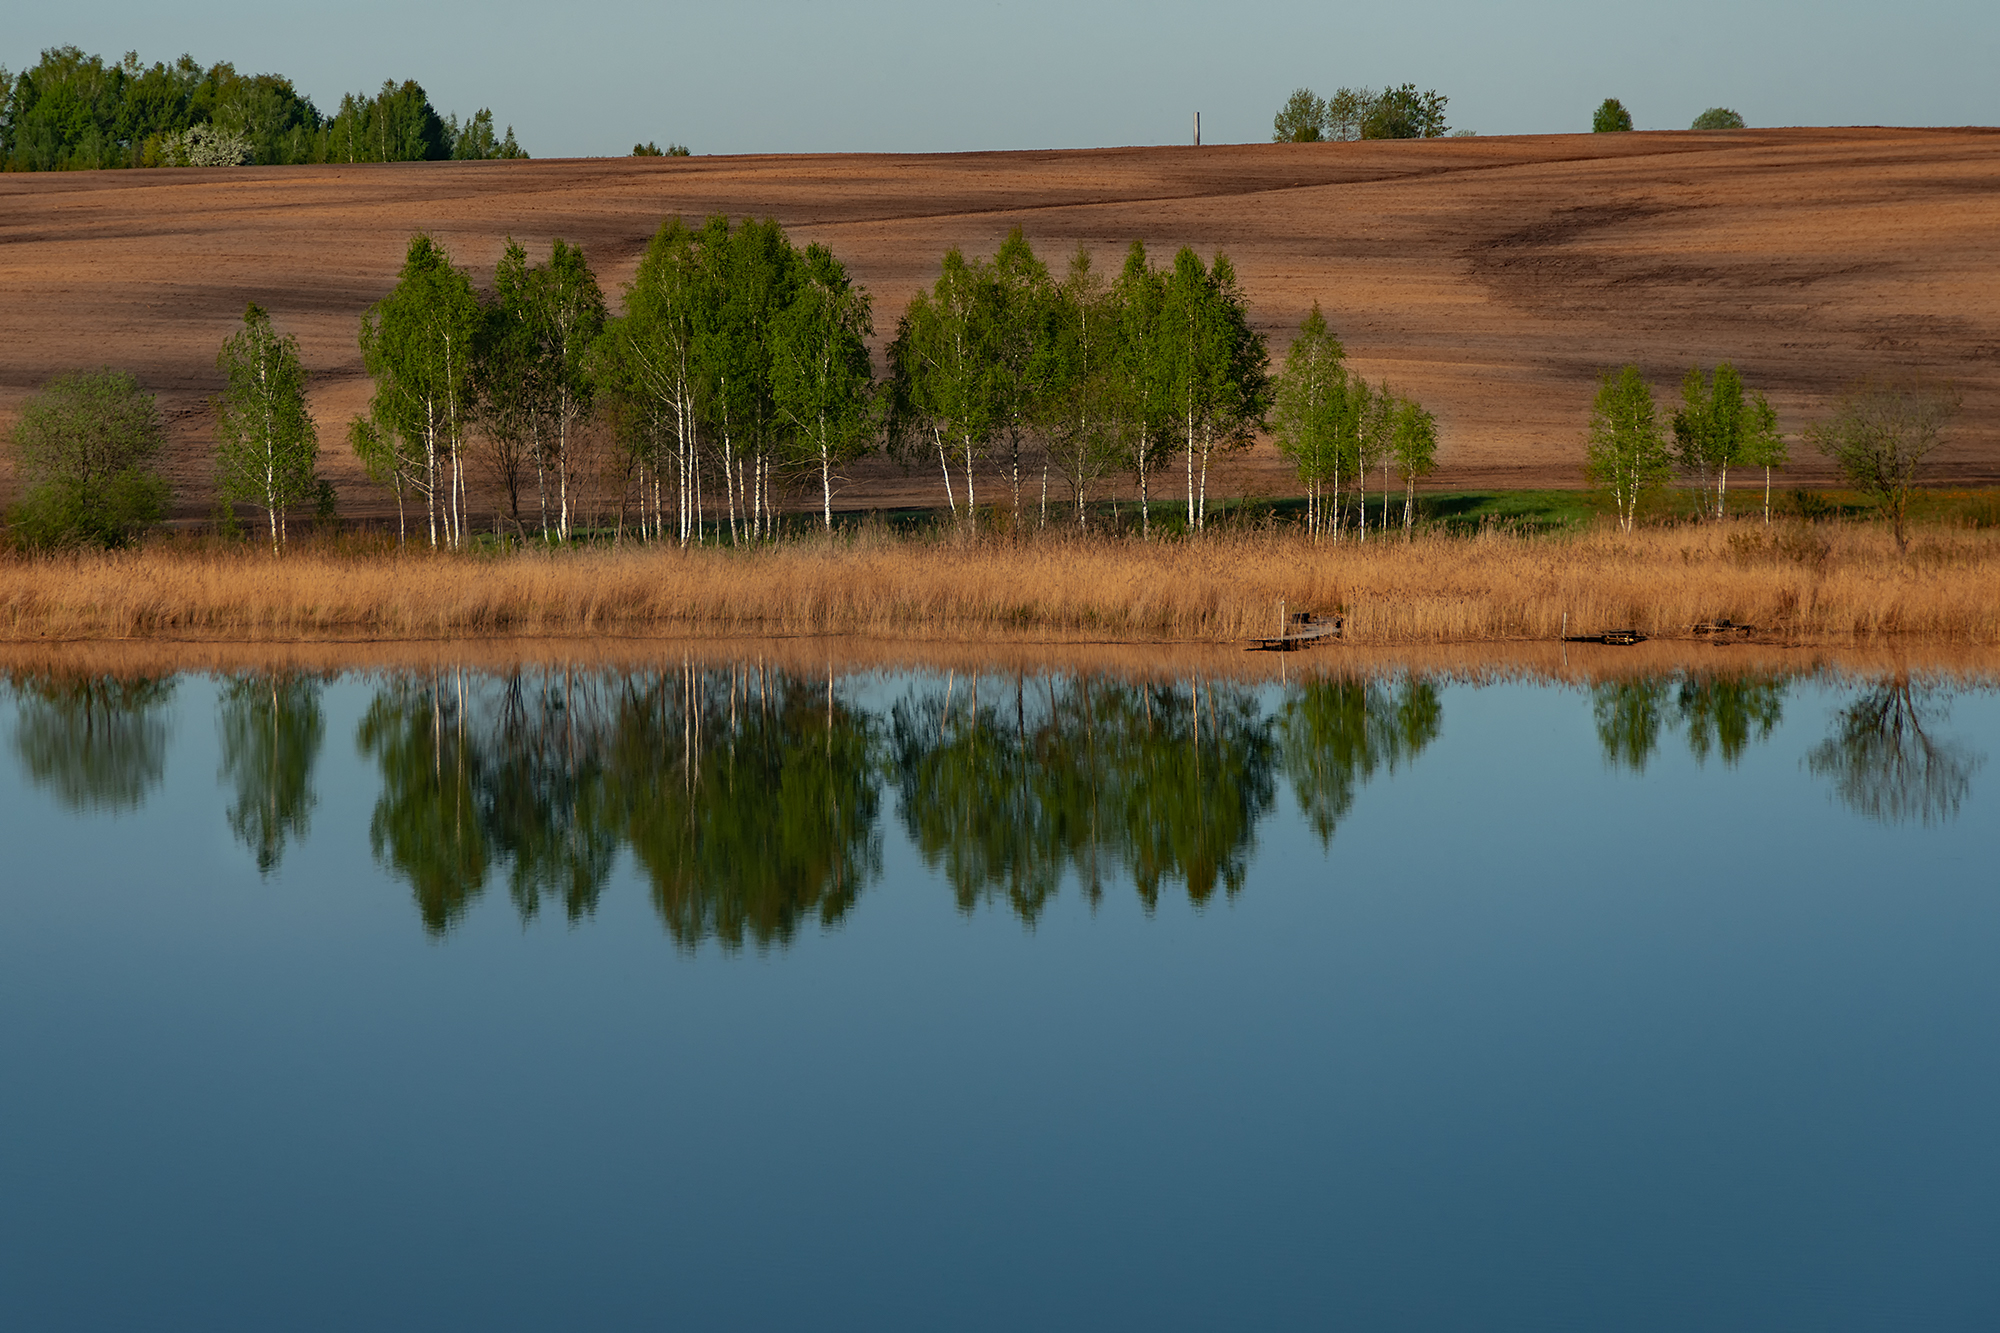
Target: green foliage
73, 111
1361, 113
1627, 451
822, 379
1718, 427
84, 450
942, 367
267, 447
97, 743
1212, 366
1302, 119
270, 727
474, 141
1880, 435
1336, 734
1611, 117
1404, 113
535, 372
1318, 412
1347, 111
1717, 118
1077, 410
420, 344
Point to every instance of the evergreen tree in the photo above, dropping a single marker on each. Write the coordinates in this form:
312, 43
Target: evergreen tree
267, 448
1611, 117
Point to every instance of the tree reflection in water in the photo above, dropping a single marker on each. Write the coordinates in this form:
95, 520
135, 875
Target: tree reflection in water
95, 742
270, 727
1337, 733
1886, 763
747, 797
1161, 781
750, 798
1720, 713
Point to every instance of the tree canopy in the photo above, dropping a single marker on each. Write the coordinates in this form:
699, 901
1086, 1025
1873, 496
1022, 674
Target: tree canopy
1717, 118
86, 448
1611, 117
73, 111
1398, 112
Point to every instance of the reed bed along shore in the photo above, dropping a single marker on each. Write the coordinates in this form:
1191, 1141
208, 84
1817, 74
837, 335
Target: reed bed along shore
1831, 585
842, 656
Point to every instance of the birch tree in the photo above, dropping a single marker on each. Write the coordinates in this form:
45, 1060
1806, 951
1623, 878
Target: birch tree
1016, 292
267, 447
1627, 452
419, 344
1144, 394
1213, 365
650, 356
821, 370
942, 361
1311, 411
1717, 427
750, 273
1414, 449
1076, 403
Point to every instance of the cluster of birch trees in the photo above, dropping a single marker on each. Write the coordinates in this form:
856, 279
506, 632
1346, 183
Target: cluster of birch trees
740, 360
1004, 362
1720, 425
740, 368
1336, 428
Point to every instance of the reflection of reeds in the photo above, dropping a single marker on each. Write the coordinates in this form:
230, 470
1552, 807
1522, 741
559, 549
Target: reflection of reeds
1829, 586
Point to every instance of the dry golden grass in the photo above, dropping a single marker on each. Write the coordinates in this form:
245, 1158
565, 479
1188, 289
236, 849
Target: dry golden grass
1830, 586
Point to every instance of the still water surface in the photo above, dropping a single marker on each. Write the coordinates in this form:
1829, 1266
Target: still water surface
732, 999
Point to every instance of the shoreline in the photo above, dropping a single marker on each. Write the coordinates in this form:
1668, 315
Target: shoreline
1813, 586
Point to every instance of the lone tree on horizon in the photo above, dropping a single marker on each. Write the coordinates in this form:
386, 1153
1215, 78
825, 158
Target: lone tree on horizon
1611, 117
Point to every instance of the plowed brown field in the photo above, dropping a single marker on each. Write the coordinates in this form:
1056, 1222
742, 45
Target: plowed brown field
1492, 277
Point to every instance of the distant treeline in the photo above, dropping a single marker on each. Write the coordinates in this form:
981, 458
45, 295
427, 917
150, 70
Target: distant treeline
75, 112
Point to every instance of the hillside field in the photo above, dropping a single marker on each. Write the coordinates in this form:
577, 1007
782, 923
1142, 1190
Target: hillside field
1491, 277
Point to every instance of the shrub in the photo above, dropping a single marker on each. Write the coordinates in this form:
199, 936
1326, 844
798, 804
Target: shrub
1717, 118
85, 448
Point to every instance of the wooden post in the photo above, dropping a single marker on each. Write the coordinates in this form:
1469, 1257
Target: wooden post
1197, 129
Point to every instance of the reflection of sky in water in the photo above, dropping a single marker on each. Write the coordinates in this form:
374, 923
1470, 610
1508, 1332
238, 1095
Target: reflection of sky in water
1537, 1041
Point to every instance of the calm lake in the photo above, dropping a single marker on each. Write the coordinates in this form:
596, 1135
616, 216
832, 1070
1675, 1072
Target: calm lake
722, 997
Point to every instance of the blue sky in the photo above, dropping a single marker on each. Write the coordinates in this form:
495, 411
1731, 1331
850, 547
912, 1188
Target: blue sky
897, 75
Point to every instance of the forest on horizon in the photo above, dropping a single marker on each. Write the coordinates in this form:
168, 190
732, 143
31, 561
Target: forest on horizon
72, 111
